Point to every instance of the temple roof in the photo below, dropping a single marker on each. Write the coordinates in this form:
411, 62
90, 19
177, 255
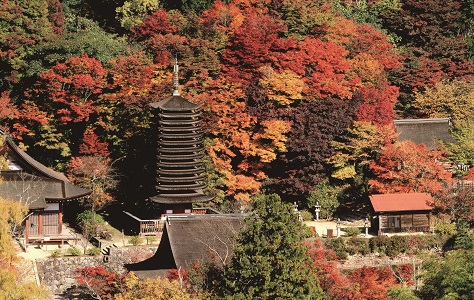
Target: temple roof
193, 239
32, 183
424, 131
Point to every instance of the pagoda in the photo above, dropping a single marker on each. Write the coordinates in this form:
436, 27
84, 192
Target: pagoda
179, 169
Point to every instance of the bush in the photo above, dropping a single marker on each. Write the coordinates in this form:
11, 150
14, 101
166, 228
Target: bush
352, 231
151, 239
73, 251
338, 246
94, 251
446, 228
135, 240
379, 244
89, 223
357, 245
398, 245
306, 215
56, 253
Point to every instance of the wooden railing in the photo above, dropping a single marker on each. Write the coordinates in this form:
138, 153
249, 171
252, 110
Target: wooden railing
151, 227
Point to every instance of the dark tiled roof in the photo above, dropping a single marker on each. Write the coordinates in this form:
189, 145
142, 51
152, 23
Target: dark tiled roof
34, 182
193, 239
424, 131
176, 103
401, 202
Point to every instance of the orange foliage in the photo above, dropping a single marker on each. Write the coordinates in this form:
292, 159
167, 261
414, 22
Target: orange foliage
241, 145
7, 109
406, 167
225, 17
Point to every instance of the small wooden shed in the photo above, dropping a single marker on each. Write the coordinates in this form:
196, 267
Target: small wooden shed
401, 212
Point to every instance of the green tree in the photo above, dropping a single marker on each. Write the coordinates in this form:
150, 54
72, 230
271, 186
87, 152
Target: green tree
449, 277
270, 261
327, 196
401, 293
23, 24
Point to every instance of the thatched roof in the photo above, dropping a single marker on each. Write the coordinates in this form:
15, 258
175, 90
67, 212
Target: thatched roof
192, 239
32, 183
424, 131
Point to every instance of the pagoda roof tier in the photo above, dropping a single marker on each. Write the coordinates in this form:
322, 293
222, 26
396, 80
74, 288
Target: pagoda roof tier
174, 103
175, 156
179, 164
190, 135
175, 115
181, 156
181, 198
181, 179
181, 128
179, 149
190, 171
180, 187
190, 142
178, 122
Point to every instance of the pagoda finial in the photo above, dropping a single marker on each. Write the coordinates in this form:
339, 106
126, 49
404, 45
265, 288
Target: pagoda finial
175, 78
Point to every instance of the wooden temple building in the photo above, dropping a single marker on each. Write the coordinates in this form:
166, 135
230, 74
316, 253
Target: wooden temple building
43, 190
401, 212
179, 169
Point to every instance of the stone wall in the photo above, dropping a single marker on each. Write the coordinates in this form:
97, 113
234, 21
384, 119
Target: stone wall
58, 273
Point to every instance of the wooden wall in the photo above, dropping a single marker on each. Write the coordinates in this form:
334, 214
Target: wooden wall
401, 222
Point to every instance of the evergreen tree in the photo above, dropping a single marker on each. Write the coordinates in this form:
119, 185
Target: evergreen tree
270, 260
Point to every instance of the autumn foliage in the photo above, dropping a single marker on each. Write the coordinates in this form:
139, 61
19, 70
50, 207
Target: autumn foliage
282, 86
405, 167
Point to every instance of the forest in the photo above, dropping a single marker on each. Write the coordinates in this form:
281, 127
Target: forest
298, 98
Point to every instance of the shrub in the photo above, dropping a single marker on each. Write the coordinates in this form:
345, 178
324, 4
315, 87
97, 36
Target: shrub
446, 228
89, 223
352, 231
379, 244
151, 239
56, 253
357, 245
338, 246
135, 240
94, 251
73, 251
306, 215
398, 245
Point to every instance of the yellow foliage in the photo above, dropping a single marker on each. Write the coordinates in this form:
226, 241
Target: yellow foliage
12, 212
11, 287
448, 99
151, 289
284, 87
276, 130
365, 66
133, 12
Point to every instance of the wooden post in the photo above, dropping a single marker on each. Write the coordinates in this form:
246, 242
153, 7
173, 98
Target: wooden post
27, 231
40, 223
60, 222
